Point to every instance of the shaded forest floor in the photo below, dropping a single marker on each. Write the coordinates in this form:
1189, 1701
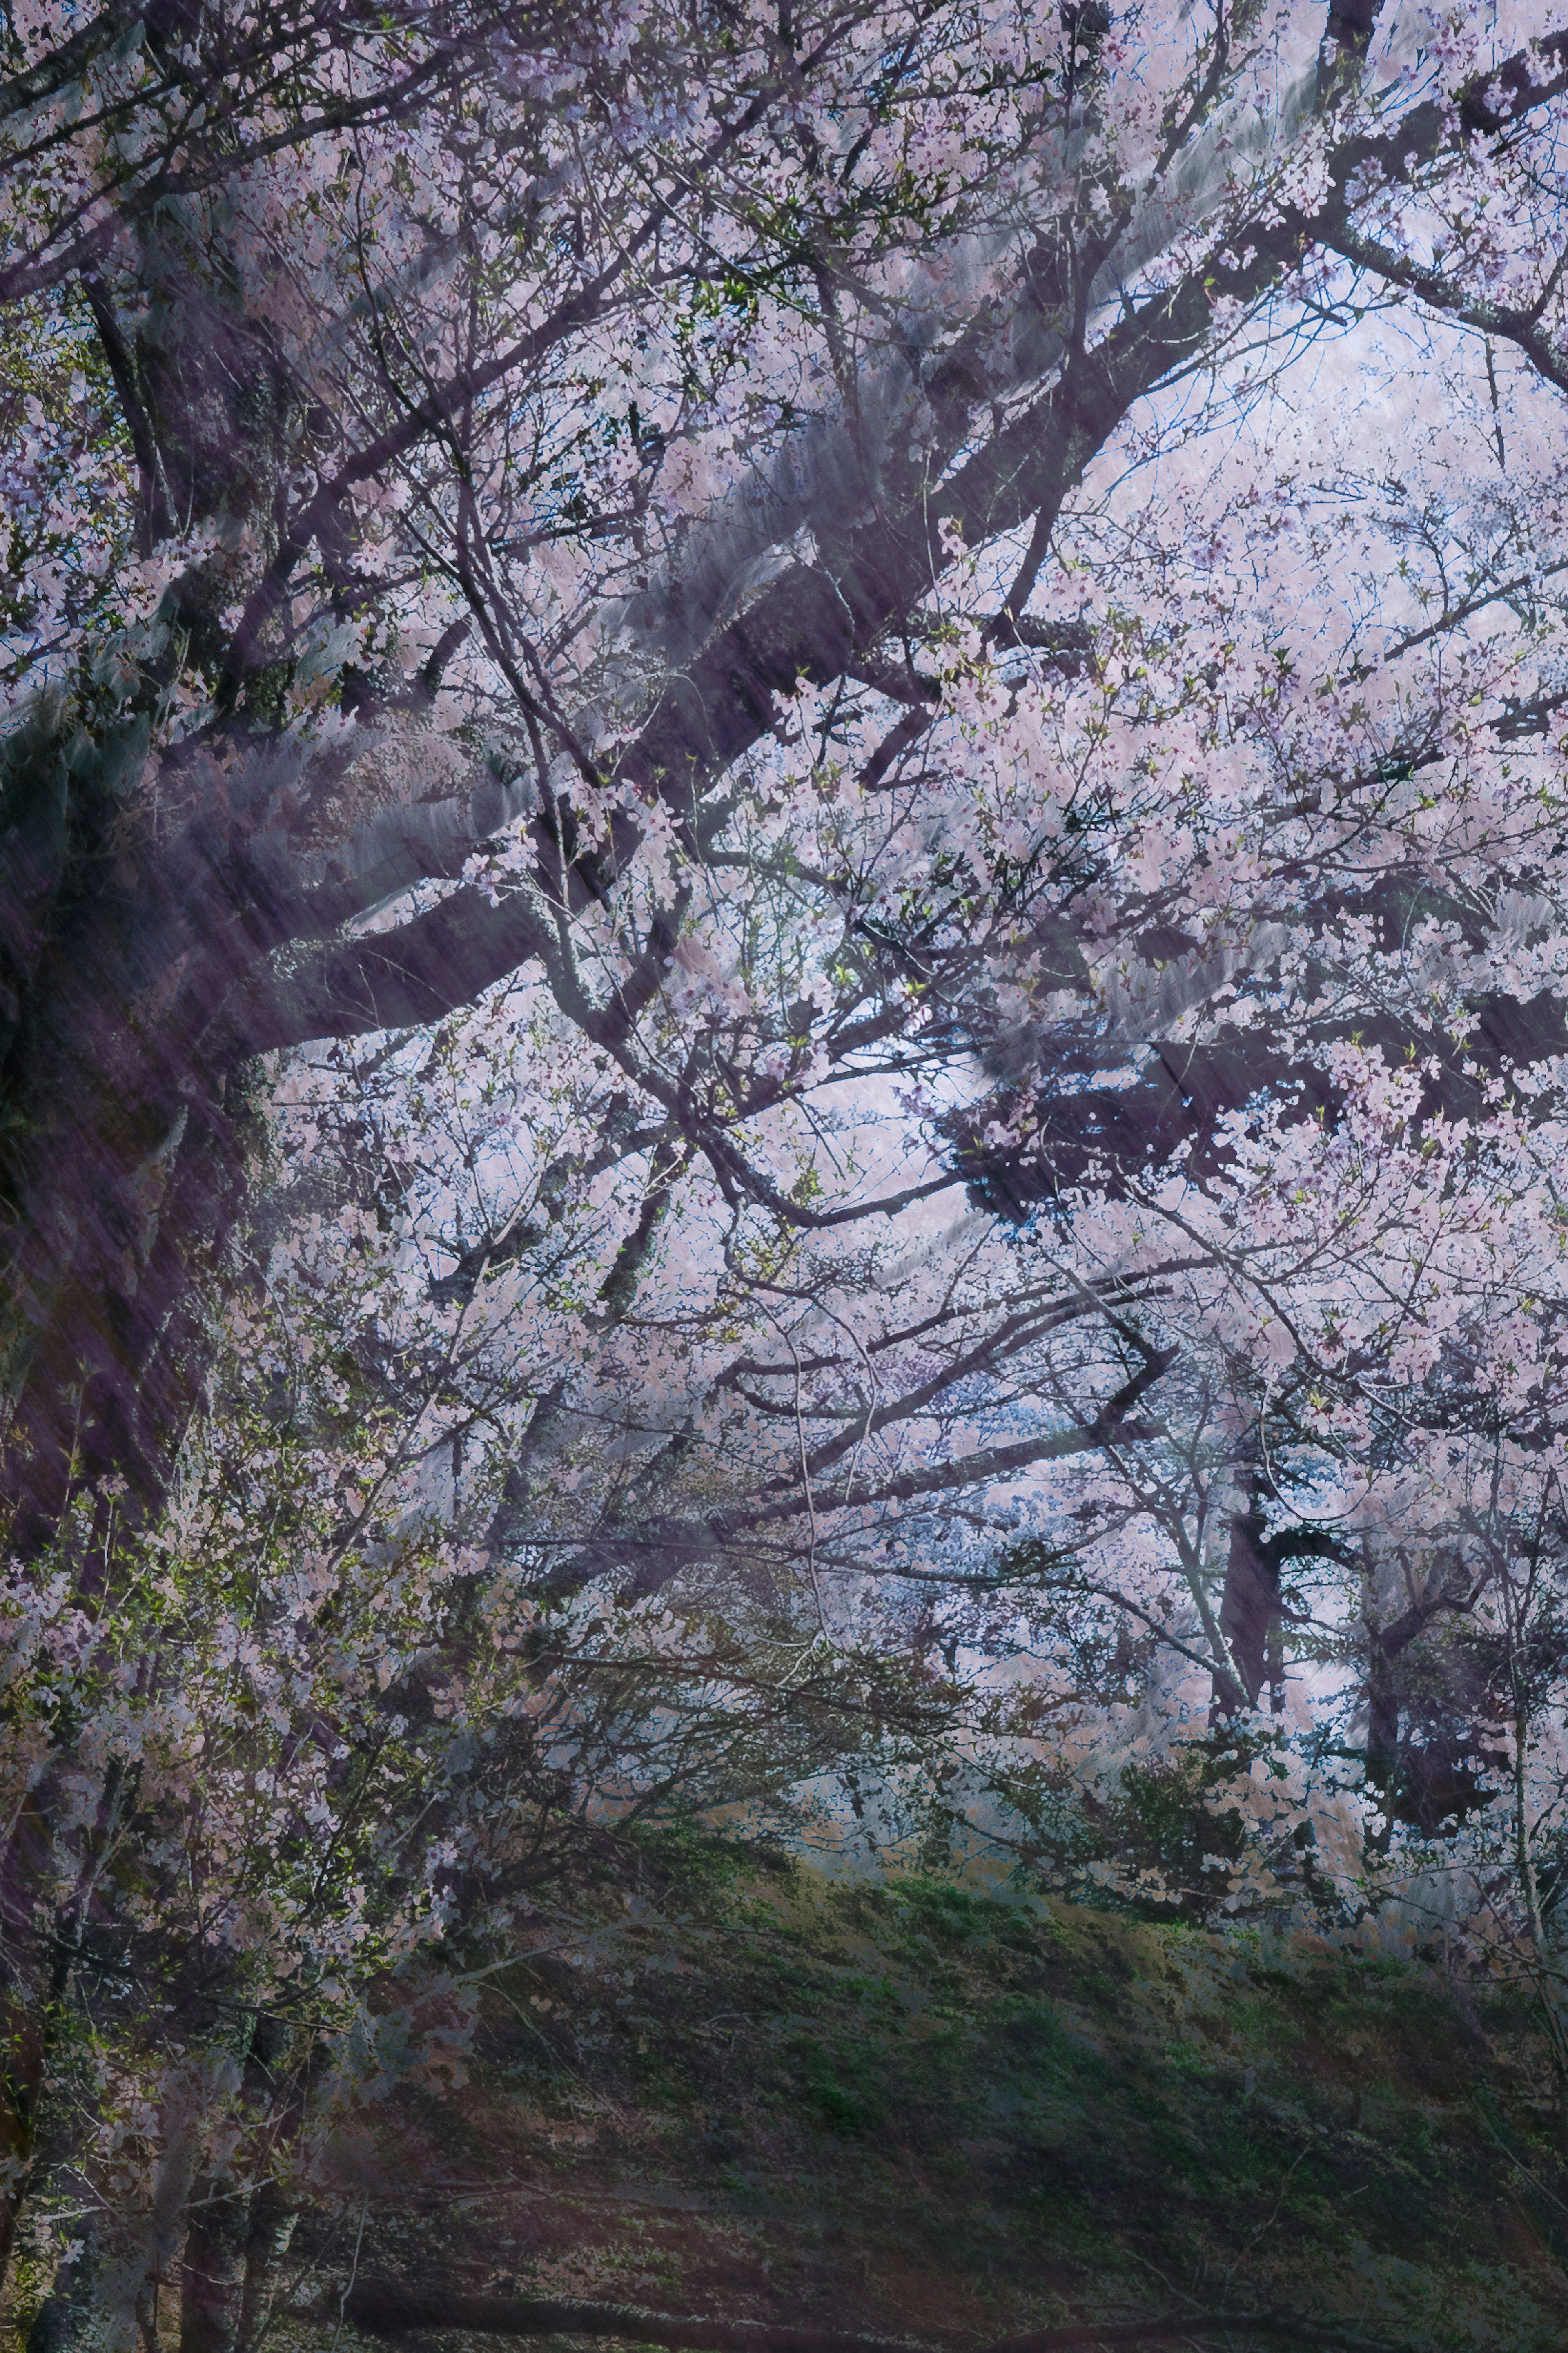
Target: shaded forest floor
752, 2093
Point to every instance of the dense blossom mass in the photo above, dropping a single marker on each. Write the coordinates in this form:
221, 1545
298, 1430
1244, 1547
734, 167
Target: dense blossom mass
783, 928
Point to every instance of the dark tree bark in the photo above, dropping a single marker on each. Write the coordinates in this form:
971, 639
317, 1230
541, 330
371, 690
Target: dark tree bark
64, 2321
1249, 1601
1426, 1762
213, 2275
272, 2220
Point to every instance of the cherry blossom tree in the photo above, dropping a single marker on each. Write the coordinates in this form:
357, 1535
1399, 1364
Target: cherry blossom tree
549, 545
781, 847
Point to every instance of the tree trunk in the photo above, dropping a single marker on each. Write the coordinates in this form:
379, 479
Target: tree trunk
1249, 1606
42, 1960
213, 2278
272, 2220
129, 901
96, 2303
25, 2053
122, 1157
65, 2320
1382, 1742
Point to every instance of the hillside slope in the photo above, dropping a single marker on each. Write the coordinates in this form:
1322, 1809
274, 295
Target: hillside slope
907, 2110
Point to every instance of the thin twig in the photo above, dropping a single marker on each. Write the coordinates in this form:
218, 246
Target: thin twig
353, 2272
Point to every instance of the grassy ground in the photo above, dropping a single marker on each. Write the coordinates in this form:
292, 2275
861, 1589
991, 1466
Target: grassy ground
754, 2094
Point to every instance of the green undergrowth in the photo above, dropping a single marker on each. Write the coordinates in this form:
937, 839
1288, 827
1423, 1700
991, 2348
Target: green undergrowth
735, 2087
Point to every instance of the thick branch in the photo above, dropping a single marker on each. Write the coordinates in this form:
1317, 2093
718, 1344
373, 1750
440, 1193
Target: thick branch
814, 623
1507, 323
